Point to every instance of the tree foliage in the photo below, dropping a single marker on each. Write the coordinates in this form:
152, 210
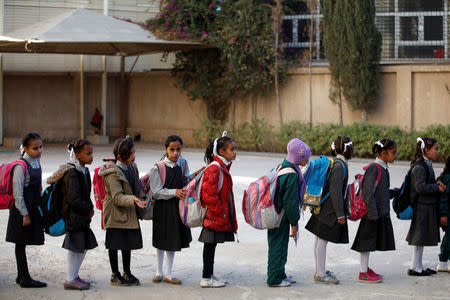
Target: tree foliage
241, 61
353, 49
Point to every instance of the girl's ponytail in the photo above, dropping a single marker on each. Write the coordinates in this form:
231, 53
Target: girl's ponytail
423, 143
209, 153
383, 144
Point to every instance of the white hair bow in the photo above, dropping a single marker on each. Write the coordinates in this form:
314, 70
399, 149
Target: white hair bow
347, 145
333, 146
215, 144
379, 143
422, 144
22, 151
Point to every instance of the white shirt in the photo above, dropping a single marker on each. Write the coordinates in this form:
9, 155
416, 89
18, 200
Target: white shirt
381, 163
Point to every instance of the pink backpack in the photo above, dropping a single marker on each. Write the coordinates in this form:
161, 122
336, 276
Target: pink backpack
144, 183
355, 203
6, 180
192, 212
258, 204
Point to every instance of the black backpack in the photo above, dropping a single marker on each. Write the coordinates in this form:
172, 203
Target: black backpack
402, 203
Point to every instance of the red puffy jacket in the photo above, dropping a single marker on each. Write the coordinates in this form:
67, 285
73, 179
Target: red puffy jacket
218, 205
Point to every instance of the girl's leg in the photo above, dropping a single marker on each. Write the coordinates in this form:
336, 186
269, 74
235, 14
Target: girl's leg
315, 255
364, 260
126, 260
160, 261
170, 255
22, 265
321, 256
209, 250
74, 261
113, 260
417, 259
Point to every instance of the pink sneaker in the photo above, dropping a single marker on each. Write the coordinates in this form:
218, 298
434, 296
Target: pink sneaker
367, 277
372, 272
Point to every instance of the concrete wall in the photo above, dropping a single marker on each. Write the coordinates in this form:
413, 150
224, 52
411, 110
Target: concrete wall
411, 96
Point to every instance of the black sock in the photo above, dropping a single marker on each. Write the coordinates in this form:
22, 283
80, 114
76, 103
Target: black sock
113, 260
21, 260
126, 260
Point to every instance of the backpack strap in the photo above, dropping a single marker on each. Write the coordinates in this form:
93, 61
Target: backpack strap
378, 178
285, 171
220, 175
162, 171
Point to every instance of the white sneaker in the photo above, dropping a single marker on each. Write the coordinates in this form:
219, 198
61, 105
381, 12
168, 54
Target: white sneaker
224, 281
211, 283
283, 283
290, 279
442, 266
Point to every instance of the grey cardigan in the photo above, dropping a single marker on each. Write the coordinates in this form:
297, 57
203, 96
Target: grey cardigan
377, 201
426, 188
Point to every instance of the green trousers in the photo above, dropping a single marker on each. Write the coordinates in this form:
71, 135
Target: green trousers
445, 246
278, 240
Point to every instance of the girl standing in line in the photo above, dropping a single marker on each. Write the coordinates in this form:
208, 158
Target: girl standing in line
288, 196
169, 233
444, 213
220, 219
375, 231
330, 224
77, 210
425, 191
24, 224
119, 212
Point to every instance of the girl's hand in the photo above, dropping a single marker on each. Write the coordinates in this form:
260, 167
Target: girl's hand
293, 231
444, 221
26, 221
341, 221
180, 193
140, 203
442, 187
199, 170
91, 215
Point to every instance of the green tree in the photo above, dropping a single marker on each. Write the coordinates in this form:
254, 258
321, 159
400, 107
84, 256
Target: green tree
243, 57
353, 49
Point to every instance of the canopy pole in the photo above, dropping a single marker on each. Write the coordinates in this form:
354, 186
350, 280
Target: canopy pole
104, 93
123, 113
81, 98
2, 23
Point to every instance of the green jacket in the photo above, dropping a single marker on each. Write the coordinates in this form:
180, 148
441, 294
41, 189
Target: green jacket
443, 204
287, 193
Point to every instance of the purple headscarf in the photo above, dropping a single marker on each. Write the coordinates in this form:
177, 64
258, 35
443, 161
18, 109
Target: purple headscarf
298, 152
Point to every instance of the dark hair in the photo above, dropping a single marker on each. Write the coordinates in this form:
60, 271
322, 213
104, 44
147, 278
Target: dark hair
339, 147
78, 145
429, 143
170, 139
221, 144
386, 144
29, 137
123, 148
447, 166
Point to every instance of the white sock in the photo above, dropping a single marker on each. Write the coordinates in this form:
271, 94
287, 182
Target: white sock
315, 254
74, 261
417, 259
364, 257
160, 259
321, 256
170, 255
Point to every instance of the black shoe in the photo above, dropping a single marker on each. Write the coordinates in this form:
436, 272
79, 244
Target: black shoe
18, 279
431, 272
117, 279
31, 283
130, 278
415, 273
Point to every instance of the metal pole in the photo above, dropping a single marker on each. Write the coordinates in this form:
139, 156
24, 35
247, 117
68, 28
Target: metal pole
104, 79
81, 98
123, 113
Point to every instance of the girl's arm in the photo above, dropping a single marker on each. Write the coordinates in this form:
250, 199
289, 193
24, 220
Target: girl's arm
140, 193
210, 185
337, 177
73, 194
290, 198
368, 191
113, 186
156, 186
443, 204
18, 184
419, 178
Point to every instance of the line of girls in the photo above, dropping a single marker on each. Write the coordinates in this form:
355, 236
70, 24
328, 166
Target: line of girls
123, 196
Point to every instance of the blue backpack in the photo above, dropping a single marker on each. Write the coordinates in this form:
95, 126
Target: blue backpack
50, 209
316, 178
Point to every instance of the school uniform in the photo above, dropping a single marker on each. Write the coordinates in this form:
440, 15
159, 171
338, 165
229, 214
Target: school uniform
287, 198
375, 230
324, 224
444, 205
424, 228
27, 194
76, 209
119, 211
169, 232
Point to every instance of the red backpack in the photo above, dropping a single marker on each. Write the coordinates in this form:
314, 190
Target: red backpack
99, 186
6, 190
355, 203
